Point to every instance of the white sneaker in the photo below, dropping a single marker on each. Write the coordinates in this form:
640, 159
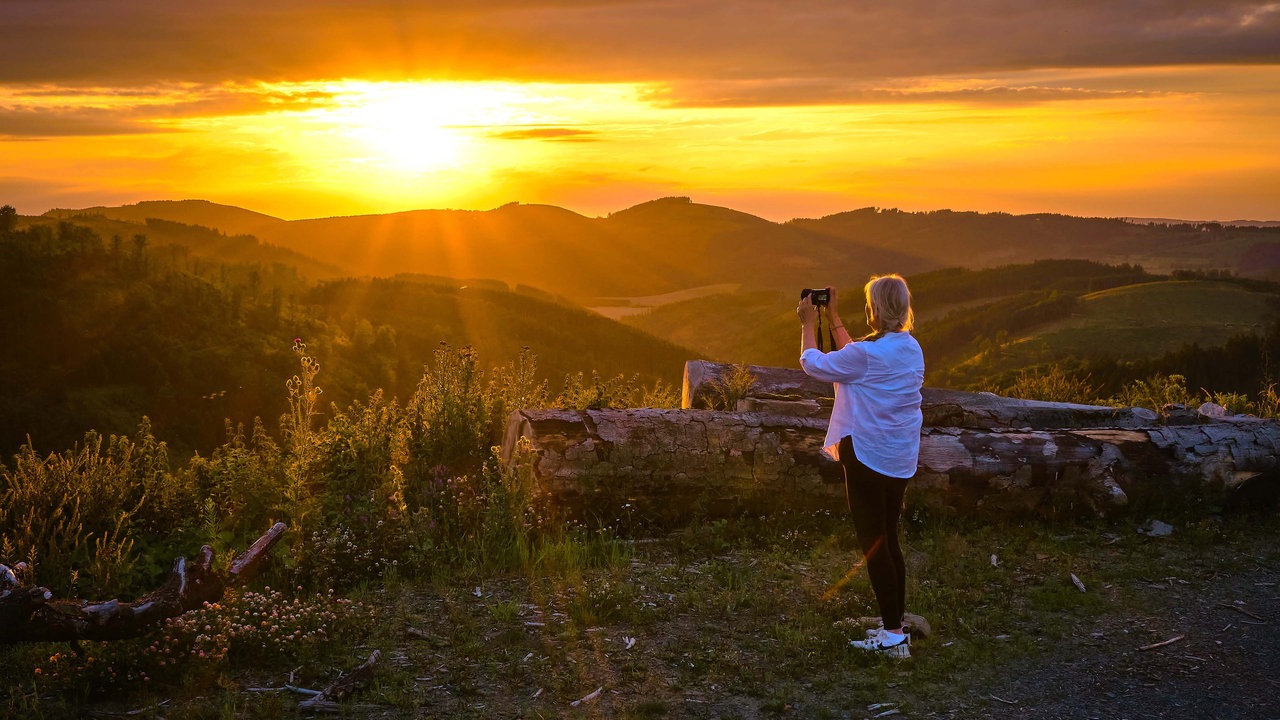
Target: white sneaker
878, 641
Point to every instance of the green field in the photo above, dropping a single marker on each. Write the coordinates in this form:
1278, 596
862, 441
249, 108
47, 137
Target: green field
1153, 318
1133, 322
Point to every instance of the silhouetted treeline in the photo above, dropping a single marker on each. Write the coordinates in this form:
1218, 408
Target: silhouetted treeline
100, 332
1245, 363
951, 285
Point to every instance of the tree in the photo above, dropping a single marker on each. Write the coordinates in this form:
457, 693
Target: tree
139, 251
8, 219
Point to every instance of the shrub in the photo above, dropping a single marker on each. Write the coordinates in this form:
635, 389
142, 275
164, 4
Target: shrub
450, 417
734, 386
358, 509
244, 484
1155, 392
1052, 385
73, 515
620, 391
1268, 404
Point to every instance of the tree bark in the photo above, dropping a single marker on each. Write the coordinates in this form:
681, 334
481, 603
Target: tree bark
29, 614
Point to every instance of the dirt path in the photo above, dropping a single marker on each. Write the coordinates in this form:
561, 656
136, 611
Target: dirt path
1226, 664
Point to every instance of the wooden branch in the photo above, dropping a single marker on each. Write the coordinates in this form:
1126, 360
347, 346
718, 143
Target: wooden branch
29, 614
246, 565
1153, 646
328, 698
1242, 611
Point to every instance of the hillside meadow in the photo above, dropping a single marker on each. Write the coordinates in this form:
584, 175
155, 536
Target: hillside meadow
1143, 320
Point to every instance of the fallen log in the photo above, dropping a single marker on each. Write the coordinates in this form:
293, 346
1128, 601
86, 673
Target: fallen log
789, 391
667, 464
30, 614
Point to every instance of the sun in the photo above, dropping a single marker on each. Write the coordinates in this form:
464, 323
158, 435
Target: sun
409, 127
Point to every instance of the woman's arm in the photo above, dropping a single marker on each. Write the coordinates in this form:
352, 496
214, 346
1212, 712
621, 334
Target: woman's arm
845, 365
838, 331
808, 314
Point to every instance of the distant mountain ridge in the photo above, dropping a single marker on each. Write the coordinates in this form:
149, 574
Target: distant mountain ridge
227, 218
672, 244
1230, 223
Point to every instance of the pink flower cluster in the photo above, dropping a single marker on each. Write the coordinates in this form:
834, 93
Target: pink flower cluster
252, 623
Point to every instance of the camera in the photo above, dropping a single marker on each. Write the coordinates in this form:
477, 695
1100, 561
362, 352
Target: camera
820, 296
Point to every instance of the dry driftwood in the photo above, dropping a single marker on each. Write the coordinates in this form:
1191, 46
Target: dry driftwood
789, 391
327, 699
30, 614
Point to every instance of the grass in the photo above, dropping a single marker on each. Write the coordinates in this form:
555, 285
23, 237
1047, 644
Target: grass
744, 618
1144, 320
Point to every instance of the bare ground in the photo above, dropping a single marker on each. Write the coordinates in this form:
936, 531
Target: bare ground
1224, 664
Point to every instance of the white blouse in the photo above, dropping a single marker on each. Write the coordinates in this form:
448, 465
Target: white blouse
877, 400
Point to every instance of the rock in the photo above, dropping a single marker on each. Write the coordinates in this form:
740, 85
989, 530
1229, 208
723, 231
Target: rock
979, 453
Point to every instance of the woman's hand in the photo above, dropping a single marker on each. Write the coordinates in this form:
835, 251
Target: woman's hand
833, 308
807, 312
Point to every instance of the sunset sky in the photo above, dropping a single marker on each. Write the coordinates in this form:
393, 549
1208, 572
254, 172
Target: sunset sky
308, 108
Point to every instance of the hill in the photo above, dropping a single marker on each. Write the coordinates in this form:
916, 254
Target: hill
723, 282
976, 240
177, 243
980, 328
672, 244
759, 327
662, 246
96, 337
1132, 323
227, 218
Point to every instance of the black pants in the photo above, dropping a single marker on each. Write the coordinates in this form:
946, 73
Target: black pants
875, 502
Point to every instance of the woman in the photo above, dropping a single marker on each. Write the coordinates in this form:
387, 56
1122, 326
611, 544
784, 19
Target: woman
874, 433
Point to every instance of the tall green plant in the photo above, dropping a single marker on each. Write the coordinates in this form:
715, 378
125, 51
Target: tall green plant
72, 515
244, 485
450, 415
1154, 392
1052, 384
296, 427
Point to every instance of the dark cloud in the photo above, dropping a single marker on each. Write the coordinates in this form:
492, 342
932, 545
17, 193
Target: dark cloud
31, 123
43, 112
145, 41
837, 92
546, 133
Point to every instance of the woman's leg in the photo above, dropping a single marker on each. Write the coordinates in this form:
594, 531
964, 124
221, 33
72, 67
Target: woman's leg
870, 494
895, 489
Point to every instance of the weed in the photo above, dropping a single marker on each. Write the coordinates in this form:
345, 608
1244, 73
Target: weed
726, 392
1051, 385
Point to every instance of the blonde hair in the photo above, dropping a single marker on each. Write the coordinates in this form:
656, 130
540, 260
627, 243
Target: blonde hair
890, 303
